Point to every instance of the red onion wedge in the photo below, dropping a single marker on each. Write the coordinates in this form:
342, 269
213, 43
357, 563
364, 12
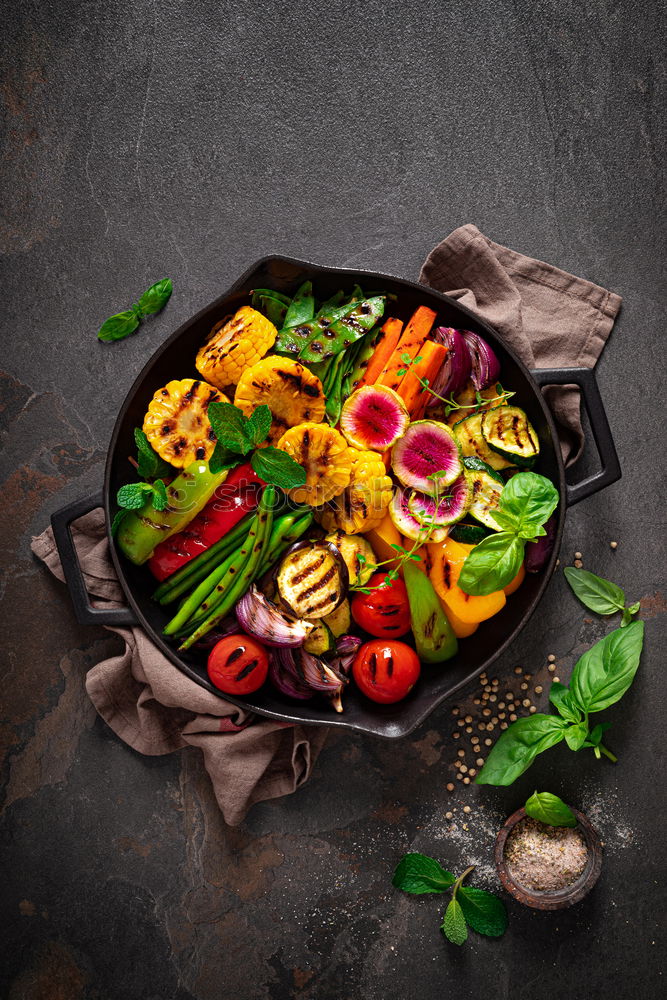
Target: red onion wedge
258, 616
485, 364
347, 644
455, 371
282, 674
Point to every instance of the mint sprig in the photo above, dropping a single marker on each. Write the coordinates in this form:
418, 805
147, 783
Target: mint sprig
133, 496
468, 907
237, 435
122, 324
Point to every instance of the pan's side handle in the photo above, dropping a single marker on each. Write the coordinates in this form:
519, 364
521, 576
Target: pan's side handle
610, 470
86, 614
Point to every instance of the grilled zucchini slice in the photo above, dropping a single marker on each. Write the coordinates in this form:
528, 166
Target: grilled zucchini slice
340, 620
468, 433
509, 433
468, 534
320, 641
486, 489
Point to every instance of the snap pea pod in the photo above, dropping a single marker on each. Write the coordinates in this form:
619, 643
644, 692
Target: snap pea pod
343, 331
302, 307
295, 338
246, 571
272, 304
196, 569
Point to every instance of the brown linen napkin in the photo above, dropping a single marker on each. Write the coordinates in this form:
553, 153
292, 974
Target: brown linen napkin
156, 709
549, 317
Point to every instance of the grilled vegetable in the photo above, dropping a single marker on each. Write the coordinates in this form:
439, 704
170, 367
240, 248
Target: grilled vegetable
266, 621
468, 403
238, 665
456, 368
468, 433
386, 670
469, 534
448, 509
312, 579
321, 641
446, 564
271, 304
326, 457
385, 610
434, 637
485, 364
292, 393
383, 538
407, 349
508, 432
142, 530
235, 344
407, 523
176, 422
340, 620
332, 330
374, 417
486, 487
428, 449
364, 503
357, 554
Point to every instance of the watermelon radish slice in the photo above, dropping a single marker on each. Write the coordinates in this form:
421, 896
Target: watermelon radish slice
407, 523
374, 417
427, 447
451, 505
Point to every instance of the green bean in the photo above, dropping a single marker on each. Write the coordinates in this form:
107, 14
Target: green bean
283, 538
245, 573
191, 604
196, 569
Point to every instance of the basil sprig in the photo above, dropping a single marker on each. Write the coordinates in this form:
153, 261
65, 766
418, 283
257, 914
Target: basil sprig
122, 324
468, 907
548, 808
600, 679
600, 595
527, 501
237, 435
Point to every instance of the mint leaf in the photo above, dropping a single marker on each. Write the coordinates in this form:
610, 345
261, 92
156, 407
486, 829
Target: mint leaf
518, 747
156, 297
259, 424
454, 924
119, 326
278, 468
159, 497
222, 458
417, 873
492, 564
548, 808
229, 426
483, 911
605, 672
149, 463
596, 593
133, 496
561, 697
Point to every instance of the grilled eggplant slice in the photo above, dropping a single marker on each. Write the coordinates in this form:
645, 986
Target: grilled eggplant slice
509, 433
312, 579
357, 553
468, 433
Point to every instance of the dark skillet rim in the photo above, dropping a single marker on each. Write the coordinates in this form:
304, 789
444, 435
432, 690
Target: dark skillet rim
337, 721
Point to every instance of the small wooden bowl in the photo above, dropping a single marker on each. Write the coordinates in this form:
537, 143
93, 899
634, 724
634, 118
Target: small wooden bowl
554, 899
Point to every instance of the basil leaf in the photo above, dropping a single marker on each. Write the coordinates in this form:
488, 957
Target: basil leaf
506, 520
133, 495
417, 873
483, 911
222, 458
259, 424
278, 468
601, 596
229, 427
149, 464
629, 612
159, 497
492, 564
561, 697
454, 924
548, 808
605, 672
302, 307
596, 734
156, 297
531, 498
119, 326
576, 735
518, 747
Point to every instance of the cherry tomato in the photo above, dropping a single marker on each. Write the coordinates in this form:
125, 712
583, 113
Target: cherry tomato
385, 671
385, 612
238, 664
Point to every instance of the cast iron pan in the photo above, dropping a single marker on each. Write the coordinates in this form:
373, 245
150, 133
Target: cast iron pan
175, 359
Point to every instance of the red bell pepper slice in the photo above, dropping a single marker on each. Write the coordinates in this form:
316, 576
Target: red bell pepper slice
235, 498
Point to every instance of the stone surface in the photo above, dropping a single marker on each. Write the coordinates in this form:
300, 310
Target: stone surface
145, 140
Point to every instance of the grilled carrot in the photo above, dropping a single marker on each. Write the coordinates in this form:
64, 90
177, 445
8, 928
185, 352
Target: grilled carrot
410, 389
391, 332
415, 333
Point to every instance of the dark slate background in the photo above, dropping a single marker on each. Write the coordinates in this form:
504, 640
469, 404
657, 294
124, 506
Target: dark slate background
188, 139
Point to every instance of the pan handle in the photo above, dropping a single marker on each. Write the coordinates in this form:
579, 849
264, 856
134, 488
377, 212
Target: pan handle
610, 471
85, 613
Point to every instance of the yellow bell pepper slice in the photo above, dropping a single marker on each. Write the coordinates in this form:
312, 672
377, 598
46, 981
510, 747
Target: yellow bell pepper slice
447, 562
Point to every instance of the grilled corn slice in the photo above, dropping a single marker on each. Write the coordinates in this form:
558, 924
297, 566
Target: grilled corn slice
235, 344
176, 422
326, 457
292, 393
364, 502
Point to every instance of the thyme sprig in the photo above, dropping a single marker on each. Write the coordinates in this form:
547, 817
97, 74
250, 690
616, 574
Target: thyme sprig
451, 405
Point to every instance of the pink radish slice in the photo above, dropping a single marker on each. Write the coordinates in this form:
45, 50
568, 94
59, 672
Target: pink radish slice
427, 447
450, 507
374, 417
407, 523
